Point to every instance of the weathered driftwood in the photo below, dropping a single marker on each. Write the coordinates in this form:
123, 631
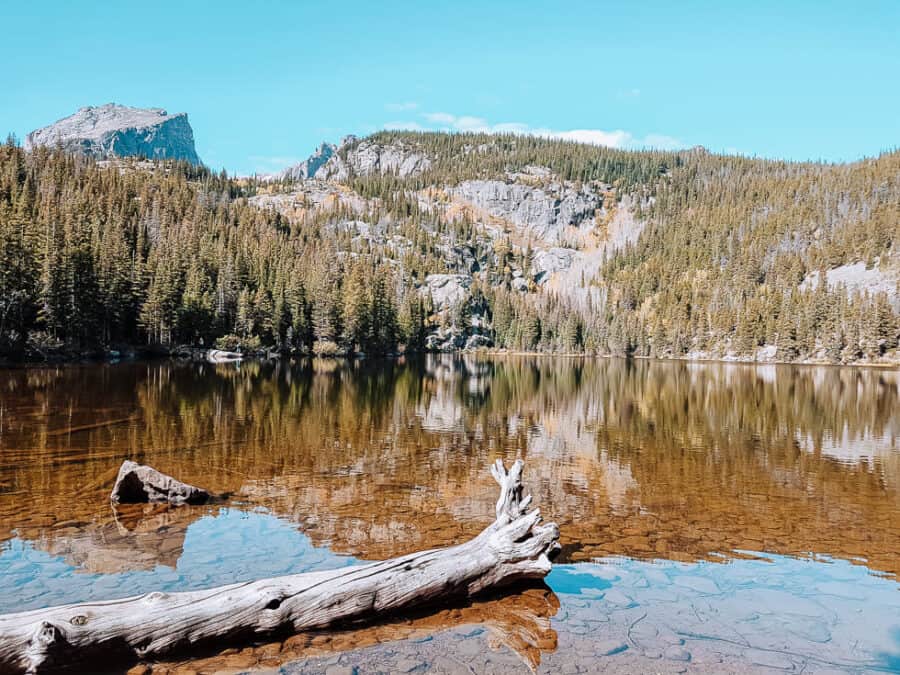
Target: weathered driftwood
514, 547
139, 484
222, 356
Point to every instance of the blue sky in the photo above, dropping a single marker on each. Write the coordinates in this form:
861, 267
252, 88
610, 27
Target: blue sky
264, 83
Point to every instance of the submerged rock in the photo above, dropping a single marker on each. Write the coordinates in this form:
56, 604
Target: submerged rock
139, 484
222, 356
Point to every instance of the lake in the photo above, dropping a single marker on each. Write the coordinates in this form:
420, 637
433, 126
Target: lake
714, 517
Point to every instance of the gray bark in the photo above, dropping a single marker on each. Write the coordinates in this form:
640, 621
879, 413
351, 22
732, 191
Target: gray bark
513, 548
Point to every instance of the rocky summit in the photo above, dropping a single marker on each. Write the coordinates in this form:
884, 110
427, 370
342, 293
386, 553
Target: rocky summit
114, 130
308, 167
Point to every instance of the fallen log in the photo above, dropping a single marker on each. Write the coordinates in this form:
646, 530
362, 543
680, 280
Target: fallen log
222, 356
512, 548
141, 484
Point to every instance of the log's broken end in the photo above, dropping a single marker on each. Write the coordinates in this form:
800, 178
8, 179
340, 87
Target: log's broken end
524, 546
141, 484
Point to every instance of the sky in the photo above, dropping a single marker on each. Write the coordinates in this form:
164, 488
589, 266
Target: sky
264, 83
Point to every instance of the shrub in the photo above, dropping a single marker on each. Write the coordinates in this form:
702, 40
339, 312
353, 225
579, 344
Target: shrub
326, 348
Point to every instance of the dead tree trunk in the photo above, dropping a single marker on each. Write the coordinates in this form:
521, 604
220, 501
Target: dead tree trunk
514, 547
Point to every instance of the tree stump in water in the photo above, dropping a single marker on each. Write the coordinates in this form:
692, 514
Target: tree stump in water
139, 484
512, 548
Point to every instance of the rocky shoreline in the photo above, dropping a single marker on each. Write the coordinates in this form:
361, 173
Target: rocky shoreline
212, 355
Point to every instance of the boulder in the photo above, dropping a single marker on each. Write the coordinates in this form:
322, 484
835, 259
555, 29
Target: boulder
545, 263
449, 340
478, 341
139, 484
447, 290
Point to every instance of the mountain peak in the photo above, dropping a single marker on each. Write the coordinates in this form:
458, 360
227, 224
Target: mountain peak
309, 166
114, 130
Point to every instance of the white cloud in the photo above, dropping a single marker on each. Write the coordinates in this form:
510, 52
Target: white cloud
628, 93
614, 139
401, 107
271, 164
405, 126
618, 138
440, 118
661, 142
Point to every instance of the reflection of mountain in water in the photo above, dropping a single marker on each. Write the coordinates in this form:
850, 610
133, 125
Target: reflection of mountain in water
647, 459
139, 537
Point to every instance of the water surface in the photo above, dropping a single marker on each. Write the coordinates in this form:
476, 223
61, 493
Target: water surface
713, 517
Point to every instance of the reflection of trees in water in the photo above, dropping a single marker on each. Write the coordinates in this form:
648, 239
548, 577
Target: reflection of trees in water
722, 407
377, 457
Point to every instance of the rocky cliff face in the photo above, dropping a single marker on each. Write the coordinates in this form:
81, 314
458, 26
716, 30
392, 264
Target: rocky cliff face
113, 130
545, 213
567, 227
309, 167
362, 158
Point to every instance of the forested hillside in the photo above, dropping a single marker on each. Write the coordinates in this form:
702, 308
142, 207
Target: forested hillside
438, 241
98, 255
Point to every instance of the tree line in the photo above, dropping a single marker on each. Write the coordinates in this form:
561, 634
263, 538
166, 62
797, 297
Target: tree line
94, 256
732, 258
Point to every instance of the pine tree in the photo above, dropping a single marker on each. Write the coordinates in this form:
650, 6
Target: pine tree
357, 311
412, 322
244, 322
195, 314
327, 317
383, 338
786, 340
300, 314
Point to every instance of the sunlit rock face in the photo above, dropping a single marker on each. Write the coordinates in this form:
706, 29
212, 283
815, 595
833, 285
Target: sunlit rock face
554, 234
545, 263
363, 158
447, 290
544, 212
882, 277
114, 130
310, 166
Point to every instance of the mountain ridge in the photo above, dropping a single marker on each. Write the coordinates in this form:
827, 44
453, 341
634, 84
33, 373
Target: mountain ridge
113, 130
460, 241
